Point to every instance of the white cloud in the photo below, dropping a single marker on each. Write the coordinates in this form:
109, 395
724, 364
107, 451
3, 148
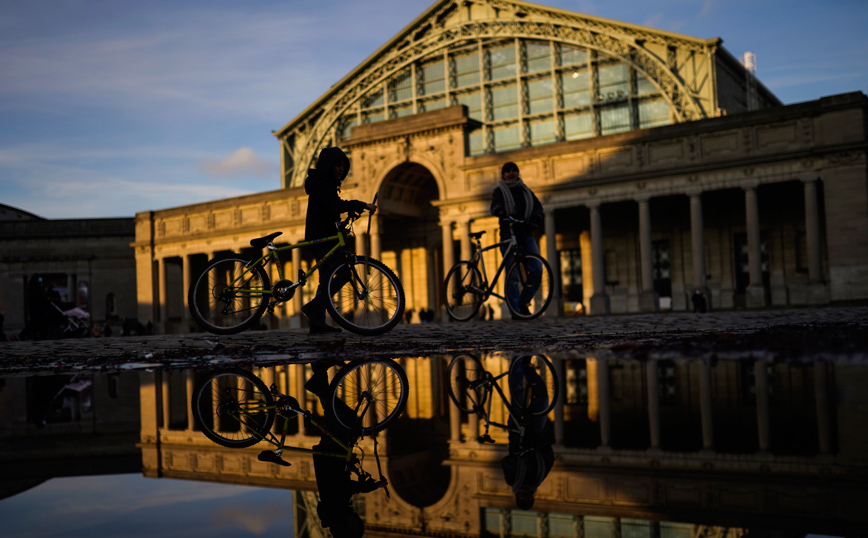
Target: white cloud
253, 519
240, 163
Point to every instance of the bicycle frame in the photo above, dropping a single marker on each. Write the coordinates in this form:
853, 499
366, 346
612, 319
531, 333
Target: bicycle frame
478, 260
492, 381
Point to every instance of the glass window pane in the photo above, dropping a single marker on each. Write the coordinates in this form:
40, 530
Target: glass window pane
473, 102
346, 127
492, 520
561, 525
466, 70
675, 530
569, 55
653, 113
540, 97
576, 88
635, 528
542, 132
433, 78
598, 527
644, 85
539, 57
476, 142
432, 104
615, 119
504, 102
400, 111
524, 523
577, 126
373, 100
373, 116
613, 82
507, 138
502, 62
401, 87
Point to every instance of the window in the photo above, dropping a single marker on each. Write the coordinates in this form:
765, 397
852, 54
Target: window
568, 55
542, 132
578, 126
502, 62
433, 77
661, 268
571, 275
576, 88
539, 56
507, 138
345, 130
615, 119
539, 94
504, 102
373, 100
653, 113
473, 102
477, 142
401, 87
644, 86
613, 82
466, 70
432, 104
400, 111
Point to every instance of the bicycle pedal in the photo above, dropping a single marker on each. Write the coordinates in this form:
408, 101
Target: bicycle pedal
485, 439
271, 457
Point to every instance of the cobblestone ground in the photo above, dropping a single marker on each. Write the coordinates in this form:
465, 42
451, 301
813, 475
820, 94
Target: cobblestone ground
839, 333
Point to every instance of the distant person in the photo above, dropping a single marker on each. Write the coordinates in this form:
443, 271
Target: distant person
324, 209
512, 198
700, 305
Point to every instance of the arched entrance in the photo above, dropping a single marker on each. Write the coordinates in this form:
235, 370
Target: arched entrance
410, 234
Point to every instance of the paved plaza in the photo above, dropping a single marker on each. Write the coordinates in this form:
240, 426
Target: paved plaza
839, 333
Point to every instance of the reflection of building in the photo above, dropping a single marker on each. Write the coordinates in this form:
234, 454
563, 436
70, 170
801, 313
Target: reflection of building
658, 174
89, 262
643, 449
57, 425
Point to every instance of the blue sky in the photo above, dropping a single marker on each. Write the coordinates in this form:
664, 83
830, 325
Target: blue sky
111, 107
134, 506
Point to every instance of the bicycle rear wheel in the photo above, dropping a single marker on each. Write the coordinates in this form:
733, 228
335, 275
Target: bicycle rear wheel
229, 296
462, 293
530, 277
533, 384
365, 296
367, 395
465, 374
233, 408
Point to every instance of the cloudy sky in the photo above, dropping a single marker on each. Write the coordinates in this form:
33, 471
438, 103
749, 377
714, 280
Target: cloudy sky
111, 107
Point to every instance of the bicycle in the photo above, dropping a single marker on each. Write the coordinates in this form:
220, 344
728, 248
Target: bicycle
235, 409
532, 383
466, 288
233, 292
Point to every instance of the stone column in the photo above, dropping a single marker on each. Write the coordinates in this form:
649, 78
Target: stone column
755, 292
466, 250
653, 383
706, 405
649, 300
191, 385
376, 249
817, 292
824, 409
301, 391
187, 278
361, 243
556, 308
165, 394
163, 308
600, 303
697, 243
761, 390
560, 369
448, 258
604, 402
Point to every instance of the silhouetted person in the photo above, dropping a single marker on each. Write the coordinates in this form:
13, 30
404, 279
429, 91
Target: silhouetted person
512, 198
324, 209
700, 305
333, 476
530, 457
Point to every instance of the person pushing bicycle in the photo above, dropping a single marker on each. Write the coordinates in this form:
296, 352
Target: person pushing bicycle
324, 208
512, 198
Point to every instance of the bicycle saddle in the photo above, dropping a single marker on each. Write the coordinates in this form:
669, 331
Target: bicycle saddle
260, 242
476, 235
271, 457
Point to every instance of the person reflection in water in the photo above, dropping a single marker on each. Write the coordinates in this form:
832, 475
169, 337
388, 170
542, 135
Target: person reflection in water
333, 479
530, 457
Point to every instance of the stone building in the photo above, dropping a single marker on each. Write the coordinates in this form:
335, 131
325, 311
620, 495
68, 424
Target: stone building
664, 166
88, 261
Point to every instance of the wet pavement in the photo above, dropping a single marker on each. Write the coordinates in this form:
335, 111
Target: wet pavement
830, 333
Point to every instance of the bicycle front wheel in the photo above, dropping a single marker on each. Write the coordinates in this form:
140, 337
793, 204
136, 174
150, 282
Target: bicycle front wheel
529, 287
229, 296
467, 386
367, 395
233, 408
462, 293
365, 296
533, 384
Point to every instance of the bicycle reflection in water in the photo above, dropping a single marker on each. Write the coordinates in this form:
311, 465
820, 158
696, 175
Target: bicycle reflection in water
235, 409
533, 388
